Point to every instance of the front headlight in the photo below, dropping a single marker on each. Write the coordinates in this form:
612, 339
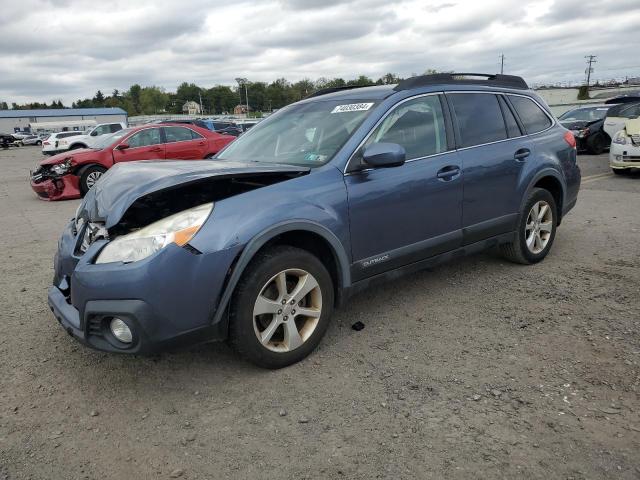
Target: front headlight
61, 168
620, 138
178, 228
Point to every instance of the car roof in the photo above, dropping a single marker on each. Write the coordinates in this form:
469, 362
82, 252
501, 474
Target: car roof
438, 81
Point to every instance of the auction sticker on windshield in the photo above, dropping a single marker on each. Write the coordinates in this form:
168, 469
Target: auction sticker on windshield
352, 107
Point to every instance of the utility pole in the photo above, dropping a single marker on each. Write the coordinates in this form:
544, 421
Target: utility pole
201, 109
501, 63
241, 82
591, 59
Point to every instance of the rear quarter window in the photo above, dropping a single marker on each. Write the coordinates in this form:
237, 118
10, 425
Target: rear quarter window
531, 115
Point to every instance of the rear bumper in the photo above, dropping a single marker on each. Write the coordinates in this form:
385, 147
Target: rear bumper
66, 187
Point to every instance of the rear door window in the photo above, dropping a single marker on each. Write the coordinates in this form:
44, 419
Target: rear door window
531, 115
177, 134
115, 127
479, 118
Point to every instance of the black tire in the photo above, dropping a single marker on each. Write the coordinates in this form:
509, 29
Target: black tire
87, 175
517, 251
77, 146
596, 144
264, 267
39, 142
620, 171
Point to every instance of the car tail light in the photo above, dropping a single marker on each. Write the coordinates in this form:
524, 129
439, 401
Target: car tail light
46, 143
570, 139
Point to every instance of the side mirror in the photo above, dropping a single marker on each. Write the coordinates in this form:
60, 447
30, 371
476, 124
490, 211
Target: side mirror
383, 155
94, 133
122, 146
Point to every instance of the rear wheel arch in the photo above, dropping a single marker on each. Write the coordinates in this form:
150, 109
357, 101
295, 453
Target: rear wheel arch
75, 146
305, 235
551, 181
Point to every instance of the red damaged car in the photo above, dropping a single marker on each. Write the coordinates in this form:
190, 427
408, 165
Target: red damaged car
71, 174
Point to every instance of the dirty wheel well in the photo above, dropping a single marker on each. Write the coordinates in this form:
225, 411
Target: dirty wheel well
314, 244
554, 187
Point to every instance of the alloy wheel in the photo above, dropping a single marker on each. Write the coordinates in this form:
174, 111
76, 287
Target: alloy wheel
92, 178
287, 310
539, 227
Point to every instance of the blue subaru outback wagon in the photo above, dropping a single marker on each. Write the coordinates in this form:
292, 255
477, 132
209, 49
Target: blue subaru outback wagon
343, 188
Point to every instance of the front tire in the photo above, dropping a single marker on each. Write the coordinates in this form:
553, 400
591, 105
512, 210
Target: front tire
89, 177
281, 307
536, 229
620, 171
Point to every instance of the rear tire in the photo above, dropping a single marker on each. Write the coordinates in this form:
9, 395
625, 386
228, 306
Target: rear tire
89, 177
280, 336
596, 144
536, 229
77, 146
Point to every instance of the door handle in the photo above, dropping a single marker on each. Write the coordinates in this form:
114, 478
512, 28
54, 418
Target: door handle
156, 149
522, 154
447, 173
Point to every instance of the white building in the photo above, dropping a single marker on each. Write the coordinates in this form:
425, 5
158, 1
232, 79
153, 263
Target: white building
191, 108
56, 120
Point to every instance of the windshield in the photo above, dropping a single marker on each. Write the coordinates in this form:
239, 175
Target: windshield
107, 140
307, 134
584, 114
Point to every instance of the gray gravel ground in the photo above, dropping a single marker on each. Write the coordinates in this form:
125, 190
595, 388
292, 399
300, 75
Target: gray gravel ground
475, 369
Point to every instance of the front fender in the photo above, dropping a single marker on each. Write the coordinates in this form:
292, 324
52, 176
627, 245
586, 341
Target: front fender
261, 239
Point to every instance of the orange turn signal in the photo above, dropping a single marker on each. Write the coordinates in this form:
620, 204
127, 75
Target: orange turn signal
182, 237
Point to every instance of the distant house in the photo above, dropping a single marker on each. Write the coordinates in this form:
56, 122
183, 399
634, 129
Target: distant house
241, 110
191, 108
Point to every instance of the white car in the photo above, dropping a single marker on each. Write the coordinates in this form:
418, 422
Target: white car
51, 145
624, 154
29, 140
88, 139
618, 115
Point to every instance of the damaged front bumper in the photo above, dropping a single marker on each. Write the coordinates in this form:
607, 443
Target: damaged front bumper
167, 300
49, 186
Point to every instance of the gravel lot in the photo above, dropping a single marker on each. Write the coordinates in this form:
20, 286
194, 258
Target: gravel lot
475, 369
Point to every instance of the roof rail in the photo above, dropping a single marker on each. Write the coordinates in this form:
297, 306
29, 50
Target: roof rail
324, 91
497, 79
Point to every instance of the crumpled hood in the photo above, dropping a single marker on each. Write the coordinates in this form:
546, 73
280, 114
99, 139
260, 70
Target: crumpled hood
125, 183
78, 154
633, 126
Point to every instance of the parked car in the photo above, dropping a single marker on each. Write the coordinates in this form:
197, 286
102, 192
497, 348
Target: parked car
586, 125
624, 155
215, 126
6, 140
51, 145
618, 115
318, 201
71, 174
30, 140
91, 137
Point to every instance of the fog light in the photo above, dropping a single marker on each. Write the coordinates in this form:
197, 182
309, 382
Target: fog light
121, 331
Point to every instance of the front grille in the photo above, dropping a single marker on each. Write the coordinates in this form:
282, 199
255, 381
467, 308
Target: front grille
89, 234
635, 139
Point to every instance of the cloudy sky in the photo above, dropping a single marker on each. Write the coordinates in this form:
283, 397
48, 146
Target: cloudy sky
68, 49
